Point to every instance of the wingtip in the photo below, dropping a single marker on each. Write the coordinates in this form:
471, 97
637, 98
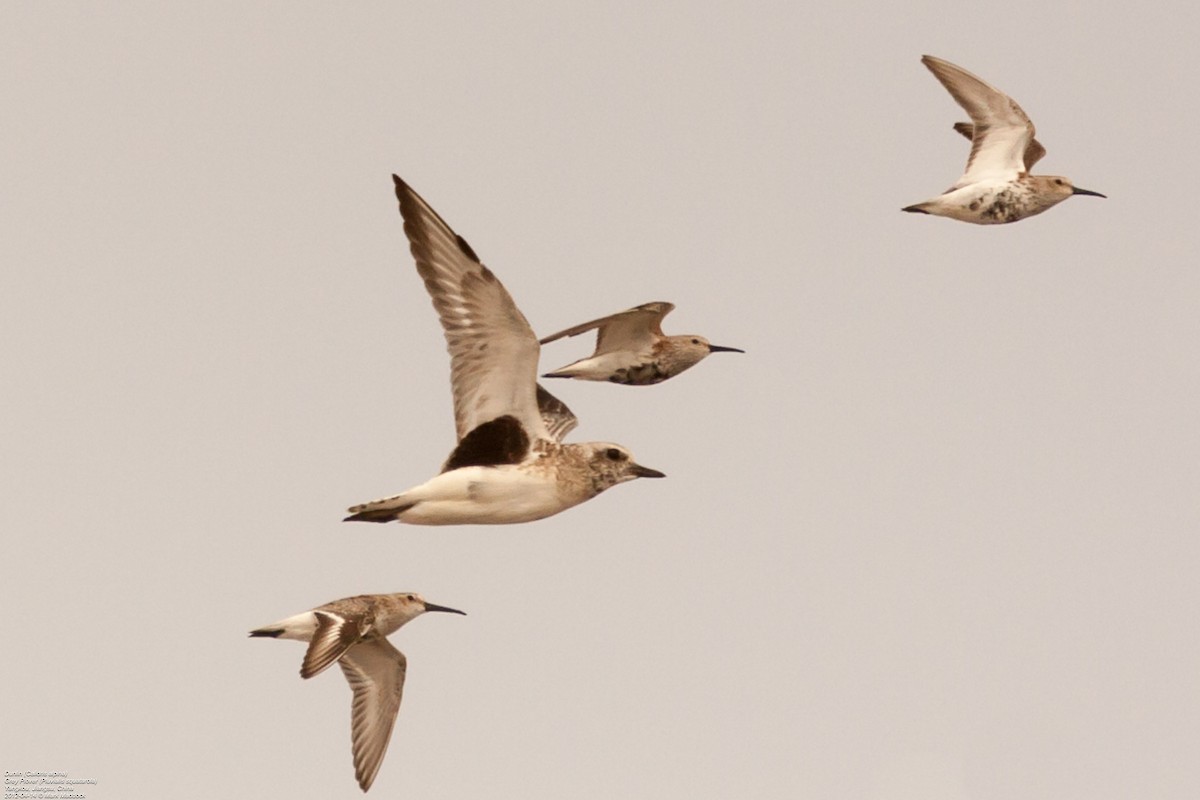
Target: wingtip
914, 209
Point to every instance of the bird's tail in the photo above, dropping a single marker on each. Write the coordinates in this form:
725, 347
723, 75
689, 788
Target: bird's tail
274, 633
385, 510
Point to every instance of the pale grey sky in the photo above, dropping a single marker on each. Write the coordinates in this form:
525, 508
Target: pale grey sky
934, 536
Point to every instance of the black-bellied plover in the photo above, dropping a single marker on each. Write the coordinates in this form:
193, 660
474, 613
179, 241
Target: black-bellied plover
996, 186
353, 632
632, 349
510, 464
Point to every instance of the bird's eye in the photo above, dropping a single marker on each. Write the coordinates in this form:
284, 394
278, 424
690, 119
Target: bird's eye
410, 598
695, 341
613, 454
1058, 181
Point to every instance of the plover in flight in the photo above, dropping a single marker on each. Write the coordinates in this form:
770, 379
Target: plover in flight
510, 464
631, 348
353, 631
997, 186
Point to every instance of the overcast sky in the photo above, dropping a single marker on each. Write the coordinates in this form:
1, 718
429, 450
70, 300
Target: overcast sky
934, 536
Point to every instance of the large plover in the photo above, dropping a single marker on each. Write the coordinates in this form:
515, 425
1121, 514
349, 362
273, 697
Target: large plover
510, 464
632, 349
996, 186
353, 632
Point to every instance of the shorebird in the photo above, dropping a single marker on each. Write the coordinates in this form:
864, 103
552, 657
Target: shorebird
353, 631
996, 186
510, 464
631, 348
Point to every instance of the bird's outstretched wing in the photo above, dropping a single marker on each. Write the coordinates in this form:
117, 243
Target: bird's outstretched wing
1001, 130
375, 670
634, 329
493, 350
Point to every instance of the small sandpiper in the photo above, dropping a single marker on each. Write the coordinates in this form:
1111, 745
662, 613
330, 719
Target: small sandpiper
510, 464
996, 186
353, 631
632, 349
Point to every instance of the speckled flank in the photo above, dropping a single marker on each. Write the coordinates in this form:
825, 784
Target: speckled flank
1006, 206
639, 374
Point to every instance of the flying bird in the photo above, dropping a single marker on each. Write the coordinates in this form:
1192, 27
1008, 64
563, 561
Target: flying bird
510, 464
996, 186
353, 632
632, 349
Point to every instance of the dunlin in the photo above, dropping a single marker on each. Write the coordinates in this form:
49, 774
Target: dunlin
353, 632
510, 464
997, 186
632, 349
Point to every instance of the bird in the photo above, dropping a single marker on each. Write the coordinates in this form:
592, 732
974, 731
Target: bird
353, 632
510, 464
996, 186
631, 348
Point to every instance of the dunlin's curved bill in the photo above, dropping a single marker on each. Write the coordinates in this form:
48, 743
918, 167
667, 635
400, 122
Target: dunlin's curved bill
632, 349
510, 464
996, 186
353, 632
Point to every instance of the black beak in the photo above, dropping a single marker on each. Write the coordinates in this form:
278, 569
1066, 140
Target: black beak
432, 607
716, 348
645, 472
1077, 190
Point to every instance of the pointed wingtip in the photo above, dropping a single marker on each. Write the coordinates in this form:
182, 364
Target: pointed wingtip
914, 209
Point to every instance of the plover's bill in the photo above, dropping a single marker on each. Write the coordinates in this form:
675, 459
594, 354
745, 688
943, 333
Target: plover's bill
997, 186
510, 464
632, 349
353, 632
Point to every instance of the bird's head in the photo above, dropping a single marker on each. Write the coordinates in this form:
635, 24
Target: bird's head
612, 464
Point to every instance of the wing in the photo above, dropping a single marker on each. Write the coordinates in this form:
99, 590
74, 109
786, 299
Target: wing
1033, 151
334, 635
558, 418
635, 329
1002, 131
375, 671
493, 351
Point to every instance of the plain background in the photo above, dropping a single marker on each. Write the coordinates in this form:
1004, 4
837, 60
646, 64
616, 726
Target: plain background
933, 536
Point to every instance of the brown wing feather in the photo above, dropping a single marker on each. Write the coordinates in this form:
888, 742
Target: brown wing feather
633, 328
375, 670
557, 417
335, 634
1002, 130
493, 350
